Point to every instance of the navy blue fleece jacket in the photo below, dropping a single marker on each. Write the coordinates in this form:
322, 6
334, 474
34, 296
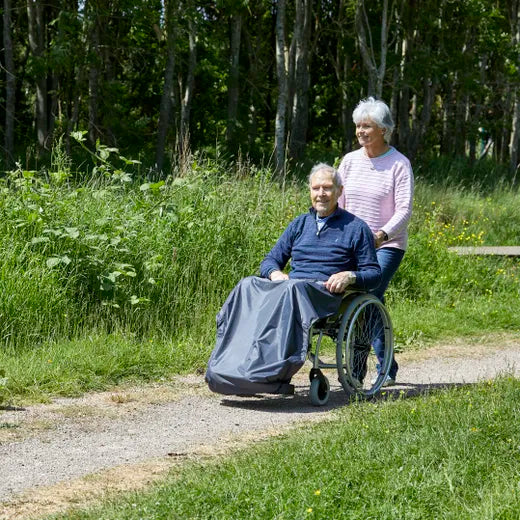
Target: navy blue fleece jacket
345, 243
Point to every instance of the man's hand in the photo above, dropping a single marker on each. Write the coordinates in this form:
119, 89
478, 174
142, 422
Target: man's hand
338, 282
278, 275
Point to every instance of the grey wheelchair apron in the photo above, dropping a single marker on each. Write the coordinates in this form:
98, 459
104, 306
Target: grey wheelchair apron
263, 334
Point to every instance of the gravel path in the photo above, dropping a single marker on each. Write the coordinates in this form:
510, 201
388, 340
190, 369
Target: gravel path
134, 435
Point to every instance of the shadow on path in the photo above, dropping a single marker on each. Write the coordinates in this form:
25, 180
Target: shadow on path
300, 402
9, 408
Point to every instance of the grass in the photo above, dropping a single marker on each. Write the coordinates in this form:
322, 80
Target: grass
109, 278
452, 455
72, 367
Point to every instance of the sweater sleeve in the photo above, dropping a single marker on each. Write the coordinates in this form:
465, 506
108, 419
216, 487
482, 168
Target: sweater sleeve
403, 200
368, 275
277, 258
342, 171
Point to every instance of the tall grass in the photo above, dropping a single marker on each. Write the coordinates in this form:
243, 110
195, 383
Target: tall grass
438, 294
151, 258
150, 263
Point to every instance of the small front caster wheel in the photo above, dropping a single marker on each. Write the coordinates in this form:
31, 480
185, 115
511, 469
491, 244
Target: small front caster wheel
320, 391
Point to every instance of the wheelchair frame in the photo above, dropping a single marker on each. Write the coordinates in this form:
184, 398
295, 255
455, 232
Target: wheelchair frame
361, 318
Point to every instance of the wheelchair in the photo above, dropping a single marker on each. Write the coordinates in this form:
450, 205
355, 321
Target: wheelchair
361, 318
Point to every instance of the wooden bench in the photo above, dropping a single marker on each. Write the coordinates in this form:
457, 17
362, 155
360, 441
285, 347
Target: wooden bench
487, 250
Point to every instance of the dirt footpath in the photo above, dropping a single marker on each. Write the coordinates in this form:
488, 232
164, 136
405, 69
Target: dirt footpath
75, 451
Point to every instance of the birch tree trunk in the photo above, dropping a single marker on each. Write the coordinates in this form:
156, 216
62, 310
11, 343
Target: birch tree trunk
252, 79
474, 118
93, 71
300, 107
422, 121
376, 73
342, 67
167, 95
341, 62
10, 86
515, 130
234, 60
186, 90
36, 44
281, 73
404, 98
515, 133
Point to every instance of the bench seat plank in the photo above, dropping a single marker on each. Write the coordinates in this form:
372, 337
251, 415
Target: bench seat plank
487, 250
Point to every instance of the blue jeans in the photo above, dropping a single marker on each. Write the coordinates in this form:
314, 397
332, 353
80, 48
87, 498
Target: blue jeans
389, 259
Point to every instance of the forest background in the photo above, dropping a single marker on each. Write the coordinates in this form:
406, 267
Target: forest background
269, 80
153, 151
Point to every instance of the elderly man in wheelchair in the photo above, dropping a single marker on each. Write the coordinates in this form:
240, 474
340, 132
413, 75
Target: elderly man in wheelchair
266, 327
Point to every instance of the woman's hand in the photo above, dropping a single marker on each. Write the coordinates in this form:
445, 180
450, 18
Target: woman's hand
338, 282
380, 237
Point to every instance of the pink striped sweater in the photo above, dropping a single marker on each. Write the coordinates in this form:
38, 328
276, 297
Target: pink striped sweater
380, 191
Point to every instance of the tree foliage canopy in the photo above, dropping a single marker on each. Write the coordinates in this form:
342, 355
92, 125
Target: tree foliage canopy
207, 72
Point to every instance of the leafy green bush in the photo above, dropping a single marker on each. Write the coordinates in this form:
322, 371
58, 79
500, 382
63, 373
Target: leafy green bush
146, 258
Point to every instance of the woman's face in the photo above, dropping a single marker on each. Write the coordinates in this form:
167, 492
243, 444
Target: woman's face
369, 134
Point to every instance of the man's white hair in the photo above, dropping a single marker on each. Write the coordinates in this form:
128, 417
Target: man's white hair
336, 179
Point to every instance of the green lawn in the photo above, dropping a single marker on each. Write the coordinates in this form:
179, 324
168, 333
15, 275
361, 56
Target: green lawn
452, 454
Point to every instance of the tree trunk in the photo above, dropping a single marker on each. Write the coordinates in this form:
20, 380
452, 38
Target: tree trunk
475, 118
74, 117
300, 108
234, 61
52, 104
281, 72
10, 86
376, 74
449, 106
397, 76
342, 64
515, 130
167, 95
515, 133
394, 96
460, 130
381, 71
404, 99
52, 13
77, 82
403, 125
93, 72
186, 98
37, 46
347, 127
253, 80
422, 122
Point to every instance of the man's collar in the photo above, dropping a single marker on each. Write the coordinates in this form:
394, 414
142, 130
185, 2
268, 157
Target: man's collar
315, 213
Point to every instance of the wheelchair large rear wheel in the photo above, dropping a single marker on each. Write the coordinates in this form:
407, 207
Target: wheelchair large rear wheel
366, 322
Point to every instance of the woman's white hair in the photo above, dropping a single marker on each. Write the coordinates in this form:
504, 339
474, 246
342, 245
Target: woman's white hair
377, 111
336, 179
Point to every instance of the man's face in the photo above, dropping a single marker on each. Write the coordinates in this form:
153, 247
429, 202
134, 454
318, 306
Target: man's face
324, 193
